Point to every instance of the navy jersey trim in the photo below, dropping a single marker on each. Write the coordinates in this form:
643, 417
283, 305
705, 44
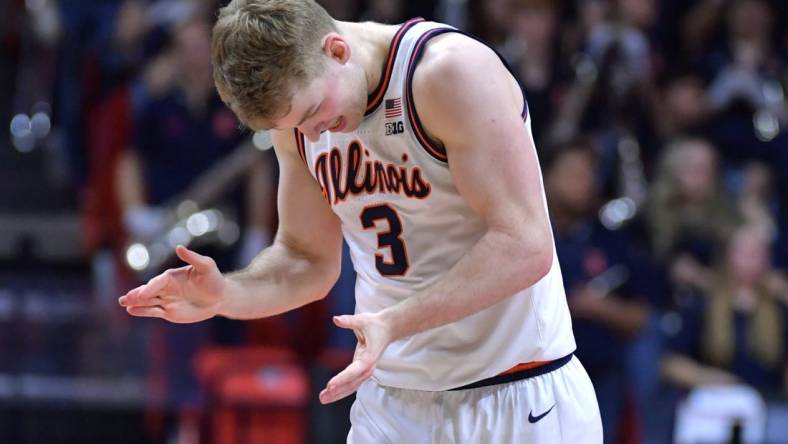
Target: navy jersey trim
436, 151
376, 97
301, 145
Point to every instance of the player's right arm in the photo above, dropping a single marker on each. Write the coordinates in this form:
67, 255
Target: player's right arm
300, 266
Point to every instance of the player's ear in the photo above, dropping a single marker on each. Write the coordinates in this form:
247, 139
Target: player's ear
336, 47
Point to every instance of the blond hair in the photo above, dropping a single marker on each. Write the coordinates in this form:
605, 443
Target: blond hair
765, 330
263, 50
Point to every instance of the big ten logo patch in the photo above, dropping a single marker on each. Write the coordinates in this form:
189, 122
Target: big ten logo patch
394, 128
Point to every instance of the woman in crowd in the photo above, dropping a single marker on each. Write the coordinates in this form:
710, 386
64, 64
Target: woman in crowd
735, 332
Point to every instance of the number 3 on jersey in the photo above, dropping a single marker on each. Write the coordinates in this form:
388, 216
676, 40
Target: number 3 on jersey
399, 265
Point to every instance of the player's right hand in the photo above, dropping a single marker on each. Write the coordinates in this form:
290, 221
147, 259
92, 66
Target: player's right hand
187, 294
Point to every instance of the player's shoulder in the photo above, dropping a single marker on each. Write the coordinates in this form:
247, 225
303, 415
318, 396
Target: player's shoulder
454, 57
458, 74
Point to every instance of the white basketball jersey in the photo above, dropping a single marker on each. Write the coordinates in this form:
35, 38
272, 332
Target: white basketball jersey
407, 225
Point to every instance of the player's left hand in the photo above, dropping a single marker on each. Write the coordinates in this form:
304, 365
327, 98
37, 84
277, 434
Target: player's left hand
373, 337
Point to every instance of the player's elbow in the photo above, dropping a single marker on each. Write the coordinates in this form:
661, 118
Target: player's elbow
329, 273
535, 259
543, 261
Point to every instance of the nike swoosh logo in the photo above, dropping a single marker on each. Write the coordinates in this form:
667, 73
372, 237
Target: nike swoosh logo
534, 419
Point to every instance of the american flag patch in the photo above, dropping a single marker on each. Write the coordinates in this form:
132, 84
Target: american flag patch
393, 108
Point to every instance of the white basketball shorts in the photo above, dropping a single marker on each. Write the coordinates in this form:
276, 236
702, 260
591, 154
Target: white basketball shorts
555, 407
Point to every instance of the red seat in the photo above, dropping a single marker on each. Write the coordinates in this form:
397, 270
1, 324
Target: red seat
256, 395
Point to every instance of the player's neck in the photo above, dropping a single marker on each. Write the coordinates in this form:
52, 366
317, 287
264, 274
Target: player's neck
369, 42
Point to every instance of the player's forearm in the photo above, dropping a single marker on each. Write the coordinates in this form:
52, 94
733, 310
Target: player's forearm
499, 265
278, 280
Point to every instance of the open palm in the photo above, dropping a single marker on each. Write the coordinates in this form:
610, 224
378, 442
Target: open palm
187, 294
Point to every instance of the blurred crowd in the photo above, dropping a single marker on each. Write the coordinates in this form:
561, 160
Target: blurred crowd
660, 125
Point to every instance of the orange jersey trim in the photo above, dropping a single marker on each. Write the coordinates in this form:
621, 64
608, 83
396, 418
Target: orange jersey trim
374, 99
435, 151
524, 366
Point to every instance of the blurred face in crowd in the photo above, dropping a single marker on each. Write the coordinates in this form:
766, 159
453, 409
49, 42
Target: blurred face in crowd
696, 171
193, 48
593, 12
388, 11
686, 102
757, 180
571, 182
535, 26
131, 24
639, 13
750, 19
340, 9
498, 13
748, 256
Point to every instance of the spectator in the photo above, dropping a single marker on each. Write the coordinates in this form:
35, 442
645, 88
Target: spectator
532, 50
699, 23
687, 214
614, 93
756, 201
490, 20
389, 11
744, 93
342, 9
685, 110
179, 135
736, 331
625, 37
600, 277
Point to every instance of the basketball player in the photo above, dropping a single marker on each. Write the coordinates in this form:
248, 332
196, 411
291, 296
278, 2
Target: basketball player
413, 141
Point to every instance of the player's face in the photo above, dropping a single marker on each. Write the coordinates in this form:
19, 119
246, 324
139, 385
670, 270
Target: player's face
334, 101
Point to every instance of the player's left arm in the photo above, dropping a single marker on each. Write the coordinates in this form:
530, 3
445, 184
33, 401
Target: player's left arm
469, 103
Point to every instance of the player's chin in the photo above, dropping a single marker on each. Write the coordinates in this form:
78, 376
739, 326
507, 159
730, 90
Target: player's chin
352, 124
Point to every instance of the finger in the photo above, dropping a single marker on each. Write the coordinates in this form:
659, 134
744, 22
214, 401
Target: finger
139, 302
141, 294
199, 262
334, 392
124, 300
352, 372
153, 287
148, 312
328, 396
347, 321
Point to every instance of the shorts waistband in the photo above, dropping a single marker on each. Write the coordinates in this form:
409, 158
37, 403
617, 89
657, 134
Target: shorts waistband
522, 371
